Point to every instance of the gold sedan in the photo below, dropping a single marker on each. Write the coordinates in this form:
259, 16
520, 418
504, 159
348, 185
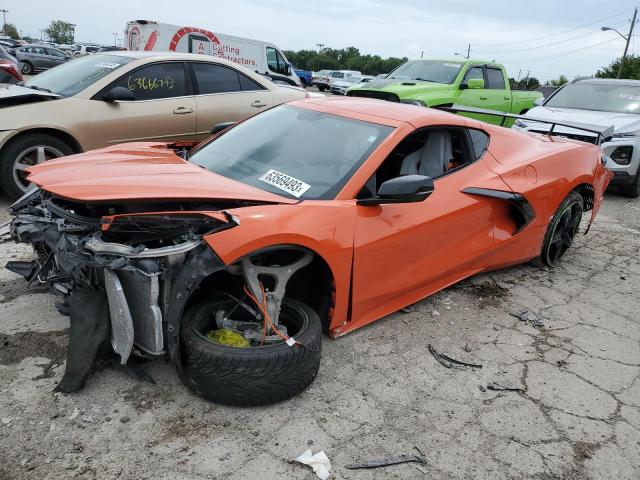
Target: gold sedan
117, 97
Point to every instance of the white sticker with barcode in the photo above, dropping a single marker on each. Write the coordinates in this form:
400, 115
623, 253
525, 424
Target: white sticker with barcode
285, 182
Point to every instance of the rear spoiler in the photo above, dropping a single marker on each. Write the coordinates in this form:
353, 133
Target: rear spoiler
602, 133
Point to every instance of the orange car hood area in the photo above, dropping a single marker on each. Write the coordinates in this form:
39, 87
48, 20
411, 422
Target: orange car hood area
115, 173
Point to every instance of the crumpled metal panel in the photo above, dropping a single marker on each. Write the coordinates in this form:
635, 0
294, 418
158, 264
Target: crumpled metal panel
122, 334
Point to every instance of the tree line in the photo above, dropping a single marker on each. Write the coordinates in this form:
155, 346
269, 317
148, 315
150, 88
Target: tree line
348, 58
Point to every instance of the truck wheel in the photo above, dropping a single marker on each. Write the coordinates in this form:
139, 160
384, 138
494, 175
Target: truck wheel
561, 230
253, 375
321, 88
24, 152
633, 190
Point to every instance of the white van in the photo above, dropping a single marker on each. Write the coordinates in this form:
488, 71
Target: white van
262, 57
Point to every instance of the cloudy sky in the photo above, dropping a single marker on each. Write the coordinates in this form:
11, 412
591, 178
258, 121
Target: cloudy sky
545, 37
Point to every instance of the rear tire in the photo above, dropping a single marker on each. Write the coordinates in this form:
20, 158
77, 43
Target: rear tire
561, 231
23, 152
253, 375
633, 190
321, 88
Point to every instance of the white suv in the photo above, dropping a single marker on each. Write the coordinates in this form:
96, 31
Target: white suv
331, 76
604, 102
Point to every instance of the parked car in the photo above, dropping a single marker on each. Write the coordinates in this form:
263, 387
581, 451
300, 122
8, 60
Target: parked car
316, 76
258, 55
112, 48
600, 102
109, 98
10, 45
430, 83
305, 76
83, 50
35, 58
340, 87
232, 257
324, 82
9, 68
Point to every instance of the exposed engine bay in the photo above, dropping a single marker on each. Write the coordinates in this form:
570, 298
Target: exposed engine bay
124, 272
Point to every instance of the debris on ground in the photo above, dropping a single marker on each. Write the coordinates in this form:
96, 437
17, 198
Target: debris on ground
409, 308
449, 362
529, 317
319, 462
505, 385
386, 461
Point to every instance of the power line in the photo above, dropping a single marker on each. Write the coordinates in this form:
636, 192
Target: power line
562, 54
594, 32
559, 33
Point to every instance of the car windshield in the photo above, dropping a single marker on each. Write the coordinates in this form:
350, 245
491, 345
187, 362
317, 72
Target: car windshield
436, 71
293, 152
352, 79
76, 75
602, 97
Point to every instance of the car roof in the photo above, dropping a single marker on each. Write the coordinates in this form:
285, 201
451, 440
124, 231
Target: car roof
613, 81
380, 111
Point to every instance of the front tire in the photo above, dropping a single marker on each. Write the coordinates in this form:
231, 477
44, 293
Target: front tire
322, 88
561, 230
249, 376
24, 152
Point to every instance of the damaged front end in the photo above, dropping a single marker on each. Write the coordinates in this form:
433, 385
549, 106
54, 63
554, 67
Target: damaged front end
122, 272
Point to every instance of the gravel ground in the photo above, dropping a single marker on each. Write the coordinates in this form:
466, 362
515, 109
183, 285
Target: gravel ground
575, 414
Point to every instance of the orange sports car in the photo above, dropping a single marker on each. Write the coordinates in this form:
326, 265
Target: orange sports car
231, 257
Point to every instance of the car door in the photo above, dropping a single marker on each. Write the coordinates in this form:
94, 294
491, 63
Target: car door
223, 94
163, 109
496, 90
55, 57
405, 251
473, 97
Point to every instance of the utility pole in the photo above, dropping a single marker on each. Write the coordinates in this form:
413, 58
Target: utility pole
626, 47
4, 20
319, 45
115, 39
469, 52
526, 80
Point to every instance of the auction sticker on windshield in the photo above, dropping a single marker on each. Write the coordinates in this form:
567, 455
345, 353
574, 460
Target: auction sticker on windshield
286, 183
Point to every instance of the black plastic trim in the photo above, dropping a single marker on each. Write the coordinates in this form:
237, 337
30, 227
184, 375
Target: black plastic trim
523, 213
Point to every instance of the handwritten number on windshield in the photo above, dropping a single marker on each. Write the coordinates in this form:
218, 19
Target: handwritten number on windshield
149, 83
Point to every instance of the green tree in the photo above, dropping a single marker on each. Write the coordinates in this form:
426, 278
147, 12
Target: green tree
561, 80
348, 58
11, 31
631, 68
60, 31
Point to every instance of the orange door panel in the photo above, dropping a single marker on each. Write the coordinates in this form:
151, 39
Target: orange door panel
400, 250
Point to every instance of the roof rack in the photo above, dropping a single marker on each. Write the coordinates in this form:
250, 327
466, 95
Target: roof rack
602, 133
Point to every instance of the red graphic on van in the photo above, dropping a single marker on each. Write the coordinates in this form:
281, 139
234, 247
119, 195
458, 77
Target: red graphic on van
187, 30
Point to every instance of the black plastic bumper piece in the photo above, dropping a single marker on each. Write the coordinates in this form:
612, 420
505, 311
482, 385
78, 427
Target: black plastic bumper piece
522, 211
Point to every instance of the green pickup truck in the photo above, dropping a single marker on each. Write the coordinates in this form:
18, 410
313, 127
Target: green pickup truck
432, 83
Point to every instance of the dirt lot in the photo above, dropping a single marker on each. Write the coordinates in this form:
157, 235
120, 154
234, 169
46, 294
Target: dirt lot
380, 392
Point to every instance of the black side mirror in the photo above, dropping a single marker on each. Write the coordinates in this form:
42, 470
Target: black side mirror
404, 189
118, 94
222, 126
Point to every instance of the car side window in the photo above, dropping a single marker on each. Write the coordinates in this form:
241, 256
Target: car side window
432, 152
155, 81
275, 61
495, 79
480, 142
212, 78
249, 85
473, 72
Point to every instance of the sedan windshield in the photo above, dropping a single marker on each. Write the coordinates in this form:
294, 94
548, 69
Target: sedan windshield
436, 71
602, 97
74, 76
293, 152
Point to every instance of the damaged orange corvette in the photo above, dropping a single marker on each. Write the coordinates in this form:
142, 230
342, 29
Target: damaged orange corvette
232, 256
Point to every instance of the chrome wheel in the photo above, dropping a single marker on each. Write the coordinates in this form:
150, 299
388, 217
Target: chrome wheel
30, 157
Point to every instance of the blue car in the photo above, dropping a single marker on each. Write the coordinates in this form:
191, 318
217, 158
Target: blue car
303, 75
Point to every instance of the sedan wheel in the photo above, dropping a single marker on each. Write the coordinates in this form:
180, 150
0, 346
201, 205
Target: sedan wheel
26, 152
26, 68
